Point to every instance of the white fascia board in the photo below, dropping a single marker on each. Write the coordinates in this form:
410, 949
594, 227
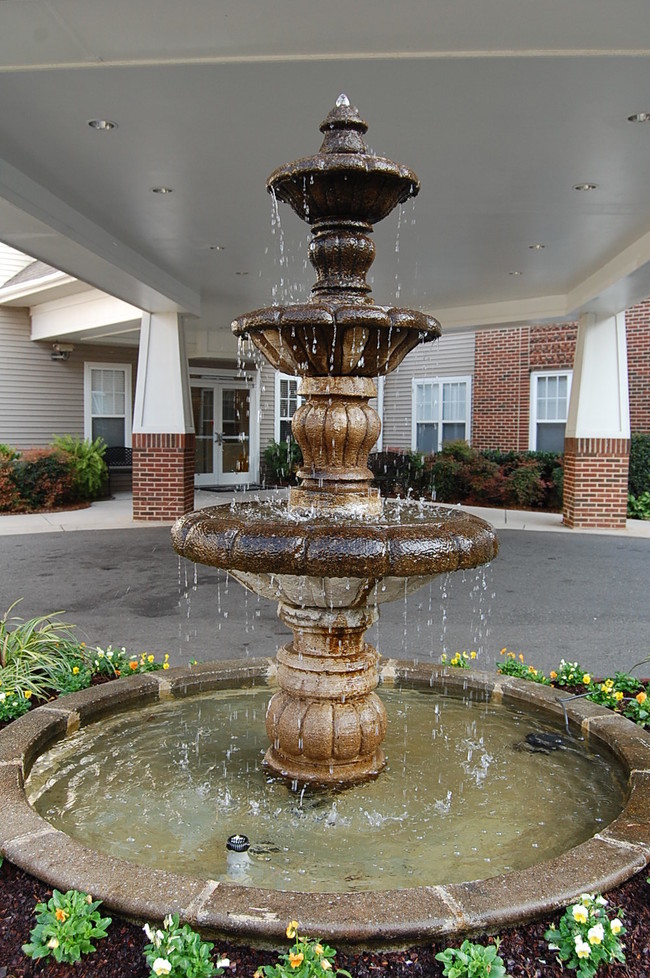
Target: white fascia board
80, 313
63, 236
493, 315
23, 293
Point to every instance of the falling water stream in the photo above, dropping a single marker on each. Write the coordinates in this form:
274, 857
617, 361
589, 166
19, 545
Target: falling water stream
462, 797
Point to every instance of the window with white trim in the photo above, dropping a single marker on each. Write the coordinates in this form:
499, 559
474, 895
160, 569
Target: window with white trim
441, 412
286, 402
107, 403
549, 406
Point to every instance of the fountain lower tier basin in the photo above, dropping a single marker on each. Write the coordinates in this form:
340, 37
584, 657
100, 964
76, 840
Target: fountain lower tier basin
397, 914
408, 540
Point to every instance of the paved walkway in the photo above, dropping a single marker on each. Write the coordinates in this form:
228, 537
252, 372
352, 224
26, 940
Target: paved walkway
554, 594
117, 513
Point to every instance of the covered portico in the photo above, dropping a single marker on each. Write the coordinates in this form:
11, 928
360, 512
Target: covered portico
136, 149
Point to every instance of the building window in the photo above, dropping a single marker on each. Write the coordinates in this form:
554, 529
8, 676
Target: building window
549, 404
107, 402
441, 413
286, 402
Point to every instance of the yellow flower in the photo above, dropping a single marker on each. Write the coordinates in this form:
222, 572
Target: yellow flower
472, 655
61, 914
618, 695
75, 670
443, 657
616, 926
318, 948
166, 656
511, 655
165, 665
503, 651
292, 929
295, 960
27, 694
150, 658
579, 913
641, 697
520, 657
586, 679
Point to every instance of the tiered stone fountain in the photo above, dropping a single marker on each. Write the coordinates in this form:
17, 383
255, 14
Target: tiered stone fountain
339, 550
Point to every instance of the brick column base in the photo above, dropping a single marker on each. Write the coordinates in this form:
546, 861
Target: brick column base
163, 476
595, 482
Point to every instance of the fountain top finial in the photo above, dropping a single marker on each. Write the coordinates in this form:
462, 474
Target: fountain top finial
344, 129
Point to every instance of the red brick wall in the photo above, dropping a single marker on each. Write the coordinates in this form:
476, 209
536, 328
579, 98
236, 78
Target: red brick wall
504, 360
637, 322
163, 476
595, 482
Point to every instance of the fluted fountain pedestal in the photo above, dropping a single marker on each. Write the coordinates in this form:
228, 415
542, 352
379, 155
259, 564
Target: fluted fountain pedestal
326, 724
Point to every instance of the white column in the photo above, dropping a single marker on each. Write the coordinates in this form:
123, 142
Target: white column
162, 394
600, 406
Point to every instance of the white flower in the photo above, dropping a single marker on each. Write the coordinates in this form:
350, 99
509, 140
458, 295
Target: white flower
223, 963
579, 913
582, 948
168, 921
601, 901
148, 931
161, 966
3, 697
52, 943
596, 934
586, 899
616, 926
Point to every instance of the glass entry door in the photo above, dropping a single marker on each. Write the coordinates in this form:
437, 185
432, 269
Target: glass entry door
222, 414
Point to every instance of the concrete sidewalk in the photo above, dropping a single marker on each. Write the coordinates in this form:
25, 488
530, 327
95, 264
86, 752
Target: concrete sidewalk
117, 513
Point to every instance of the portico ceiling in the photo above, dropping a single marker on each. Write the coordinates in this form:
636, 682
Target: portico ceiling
502, 108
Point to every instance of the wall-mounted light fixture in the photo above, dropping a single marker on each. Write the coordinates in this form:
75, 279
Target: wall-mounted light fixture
61, 351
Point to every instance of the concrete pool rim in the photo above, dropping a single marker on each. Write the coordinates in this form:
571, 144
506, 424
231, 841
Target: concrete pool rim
381, 918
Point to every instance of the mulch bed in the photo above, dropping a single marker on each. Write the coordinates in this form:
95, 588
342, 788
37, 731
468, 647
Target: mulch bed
524, 950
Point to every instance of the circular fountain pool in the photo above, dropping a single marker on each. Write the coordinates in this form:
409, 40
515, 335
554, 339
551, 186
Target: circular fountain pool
464, 795
280, 882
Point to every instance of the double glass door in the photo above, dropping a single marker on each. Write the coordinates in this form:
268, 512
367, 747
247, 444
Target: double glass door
222, 422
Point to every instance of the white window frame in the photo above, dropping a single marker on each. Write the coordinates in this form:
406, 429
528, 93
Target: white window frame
89, 366
277, 419
441, 382
533, 422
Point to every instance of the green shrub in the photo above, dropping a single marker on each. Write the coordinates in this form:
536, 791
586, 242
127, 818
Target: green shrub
639, 472
9, 492
66, 926
44, 479
401, 473
87, 462
452, 471
638, 507
281, 462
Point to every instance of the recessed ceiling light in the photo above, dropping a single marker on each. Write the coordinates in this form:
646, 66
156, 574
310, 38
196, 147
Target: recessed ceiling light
537, 247
162, 190
585, 186
241, 273
102, 125
639, 117
515, 273
217, 247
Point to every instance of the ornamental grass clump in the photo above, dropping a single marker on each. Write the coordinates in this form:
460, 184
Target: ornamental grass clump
472, 961
586, 937
180, 952
66, 926
308, 958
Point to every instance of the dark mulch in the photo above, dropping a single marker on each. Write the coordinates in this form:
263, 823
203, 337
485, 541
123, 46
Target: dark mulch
524, 949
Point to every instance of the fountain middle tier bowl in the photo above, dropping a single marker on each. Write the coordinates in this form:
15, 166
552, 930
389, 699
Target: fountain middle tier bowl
407, 544
326, 337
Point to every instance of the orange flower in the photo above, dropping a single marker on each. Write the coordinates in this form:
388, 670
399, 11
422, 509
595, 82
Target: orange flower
133, 665
641, 697
61, 914
292, 929
553, 674
295, 960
